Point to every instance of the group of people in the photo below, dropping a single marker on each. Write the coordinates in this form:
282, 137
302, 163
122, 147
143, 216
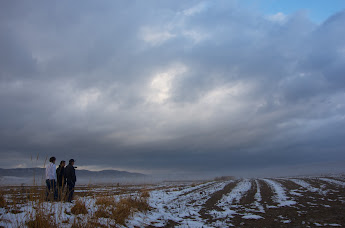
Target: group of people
58, 178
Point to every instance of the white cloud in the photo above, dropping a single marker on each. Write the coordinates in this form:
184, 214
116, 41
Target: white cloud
198, 8
278, 17
161, 84
155, 36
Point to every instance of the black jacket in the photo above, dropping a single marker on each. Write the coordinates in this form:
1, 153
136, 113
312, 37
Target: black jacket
61, 176
70, 174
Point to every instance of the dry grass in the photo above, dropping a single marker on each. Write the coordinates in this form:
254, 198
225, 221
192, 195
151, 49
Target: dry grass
79, 208
87, 224
2, 200
41, 219
145, 193
115, 211
127, 206
106, 201
102, 212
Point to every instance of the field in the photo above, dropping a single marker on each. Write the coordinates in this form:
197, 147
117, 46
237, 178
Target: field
273, 202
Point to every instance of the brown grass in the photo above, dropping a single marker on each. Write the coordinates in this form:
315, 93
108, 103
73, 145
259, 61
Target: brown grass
2, 200
105, 201
102, 212
89, 224
79, 208
145, 193
41, 220
127, 206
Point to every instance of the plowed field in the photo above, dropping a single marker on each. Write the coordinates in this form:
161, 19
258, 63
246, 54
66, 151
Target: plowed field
278, 202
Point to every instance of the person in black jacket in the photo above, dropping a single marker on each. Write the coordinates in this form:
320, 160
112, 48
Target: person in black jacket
71, 179
61, 178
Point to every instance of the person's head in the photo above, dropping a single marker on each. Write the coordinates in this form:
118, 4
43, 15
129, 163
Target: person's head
71, 161
52, 159
62, 163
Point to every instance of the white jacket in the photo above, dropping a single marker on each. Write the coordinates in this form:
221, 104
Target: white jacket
51, 171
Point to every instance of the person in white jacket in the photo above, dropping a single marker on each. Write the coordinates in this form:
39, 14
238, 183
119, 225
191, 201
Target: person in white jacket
51, 178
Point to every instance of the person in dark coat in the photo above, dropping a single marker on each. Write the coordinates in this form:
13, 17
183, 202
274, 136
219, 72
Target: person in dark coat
61, 178
71, 179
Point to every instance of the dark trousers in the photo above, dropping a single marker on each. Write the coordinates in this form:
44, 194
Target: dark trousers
70, 188
51, 185
61, 192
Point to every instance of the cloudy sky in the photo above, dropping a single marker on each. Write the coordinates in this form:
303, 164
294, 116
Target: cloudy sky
172, 86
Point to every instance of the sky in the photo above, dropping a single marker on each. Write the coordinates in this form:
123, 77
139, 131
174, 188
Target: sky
173, 86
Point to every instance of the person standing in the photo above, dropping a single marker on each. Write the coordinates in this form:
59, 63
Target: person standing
61, 178
71, 179
51, 178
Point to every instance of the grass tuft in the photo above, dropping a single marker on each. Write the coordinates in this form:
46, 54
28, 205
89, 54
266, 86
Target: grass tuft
145, 194
79, 208
102, 212
41, 220
2, 201
105, 201
127, 206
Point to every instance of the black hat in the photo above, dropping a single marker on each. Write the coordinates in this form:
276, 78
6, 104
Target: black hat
71, 160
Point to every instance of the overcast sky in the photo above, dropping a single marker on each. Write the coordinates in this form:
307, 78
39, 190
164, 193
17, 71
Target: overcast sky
166, 86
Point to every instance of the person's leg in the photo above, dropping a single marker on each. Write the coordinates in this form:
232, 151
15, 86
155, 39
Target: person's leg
60, 190
55, 190
70, 191
47, 189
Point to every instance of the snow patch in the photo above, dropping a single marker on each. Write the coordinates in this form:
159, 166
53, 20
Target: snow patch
250, 216
331, 181
236, 194
280, 196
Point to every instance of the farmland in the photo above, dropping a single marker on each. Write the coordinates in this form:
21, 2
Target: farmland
261, 202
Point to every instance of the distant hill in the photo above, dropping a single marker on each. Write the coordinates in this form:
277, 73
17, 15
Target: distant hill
85, 175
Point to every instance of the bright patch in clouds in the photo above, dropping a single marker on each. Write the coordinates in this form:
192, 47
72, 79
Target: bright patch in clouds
161, 84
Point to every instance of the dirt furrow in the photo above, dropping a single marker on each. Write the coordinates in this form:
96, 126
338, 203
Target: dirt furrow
211, 203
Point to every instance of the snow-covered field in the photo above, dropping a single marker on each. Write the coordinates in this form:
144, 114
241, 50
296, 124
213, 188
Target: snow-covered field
278, 202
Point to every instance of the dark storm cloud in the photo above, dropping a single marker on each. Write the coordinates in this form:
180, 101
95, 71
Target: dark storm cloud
169, 85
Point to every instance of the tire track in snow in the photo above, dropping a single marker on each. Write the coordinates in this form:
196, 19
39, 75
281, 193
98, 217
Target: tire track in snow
280, 196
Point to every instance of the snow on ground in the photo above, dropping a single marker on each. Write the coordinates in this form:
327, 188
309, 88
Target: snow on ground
179, 206
332, 181
305, 185
250, 216
236, 194
258, 198
229, 203
280, 196
309, 187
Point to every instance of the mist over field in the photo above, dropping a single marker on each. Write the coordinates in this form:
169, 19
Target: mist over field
174, 88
